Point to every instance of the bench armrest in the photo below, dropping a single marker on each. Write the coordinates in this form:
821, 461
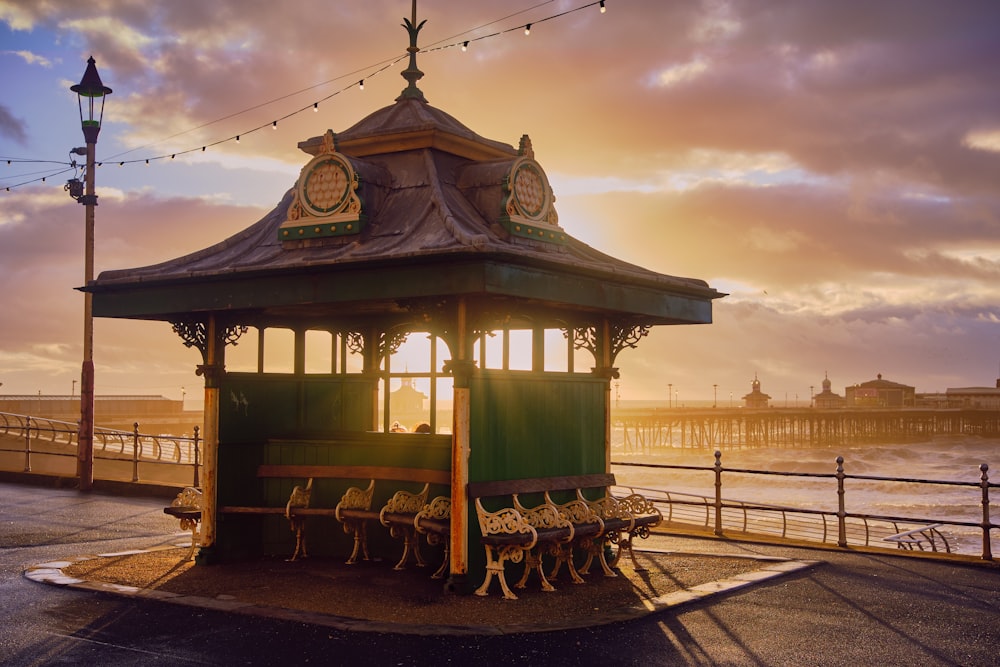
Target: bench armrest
355, 498
544, 516
189, 497
438, 509
639, 506
506, 521
404, 502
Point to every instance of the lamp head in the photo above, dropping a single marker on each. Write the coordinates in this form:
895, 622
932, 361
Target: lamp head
92, 88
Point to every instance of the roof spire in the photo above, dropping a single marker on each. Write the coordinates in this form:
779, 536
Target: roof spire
411, 73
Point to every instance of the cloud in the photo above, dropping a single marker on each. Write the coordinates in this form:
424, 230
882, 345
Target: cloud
12, 127
31, 58
832, 165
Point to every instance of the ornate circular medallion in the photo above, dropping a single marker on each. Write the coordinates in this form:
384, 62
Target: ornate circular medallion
325, 186
530, 189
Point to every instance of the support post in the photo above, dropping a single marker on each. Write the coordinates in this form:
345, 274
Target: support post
841, 512
196, 483
212, 371
718, 493
985, 484
27, 444
461, 370
135, 451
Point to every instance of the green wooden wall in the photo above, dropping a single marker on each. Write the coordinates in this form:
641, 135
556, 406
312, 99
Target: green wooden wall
522, 425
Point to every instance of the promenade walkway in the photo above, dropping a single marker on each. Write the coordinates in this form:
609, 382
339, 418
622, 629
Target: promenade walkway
839, 608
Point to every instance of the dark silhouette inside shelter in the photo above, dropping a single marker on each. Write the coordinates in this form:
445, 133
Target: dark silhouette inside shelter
406, 229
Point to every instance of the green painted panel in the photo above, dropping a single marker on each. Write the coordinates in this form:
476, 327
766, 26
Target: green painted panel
535, 425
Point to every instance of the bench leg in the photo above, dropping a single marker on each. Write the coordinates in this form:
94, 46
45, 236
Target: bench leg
625, 545
565, 555
494, 567
533, 563
411, 544
192, 525
443, 569
595, 547
298, 525
433, 539
360, 531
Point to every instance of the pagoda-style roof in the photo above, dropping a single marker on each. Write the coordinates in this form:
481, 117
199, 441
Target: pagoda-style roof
406, 204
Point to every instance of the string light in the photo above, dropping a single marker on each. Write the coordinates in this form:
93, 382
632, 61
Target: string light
464, 44
202, 149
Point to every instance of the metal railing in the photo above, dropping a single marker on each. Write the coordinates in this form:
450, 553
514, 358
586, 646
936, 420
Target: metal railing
721, 516
61, 438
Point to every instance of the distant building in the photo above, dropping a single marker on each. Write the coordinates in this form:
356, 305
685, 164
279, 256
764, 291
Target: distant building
756, 398
407, 398
826, 399
981, 398
879, 393
67, 408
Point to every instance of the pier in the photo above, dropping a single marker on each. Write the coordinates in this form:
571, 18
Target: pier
645, 430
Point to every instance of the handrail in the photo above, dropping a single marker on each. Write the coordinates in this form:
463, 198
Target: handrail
808, 524
109, 443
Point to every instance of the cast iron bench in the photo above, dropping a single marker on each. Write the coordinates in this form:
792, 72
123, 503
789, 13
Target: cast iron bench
187, 507
354, 510
517, 533
434, 522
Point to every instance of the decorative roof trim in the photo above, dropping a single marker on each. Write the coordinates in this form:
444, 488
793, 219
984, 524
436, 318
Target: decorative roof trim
528, 209
326, 202
419, 139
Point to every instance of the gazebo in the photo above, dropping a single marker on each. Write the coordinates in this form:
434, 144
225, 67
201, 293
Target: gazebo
406, 227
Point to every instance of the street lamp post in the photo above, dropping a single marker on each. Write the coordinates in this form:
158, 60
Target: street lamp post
94, 91
715, 395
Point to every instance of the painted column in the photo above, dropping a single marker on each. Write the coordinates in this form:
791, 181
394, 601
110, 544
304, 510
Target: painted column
212, 371
461, 370
608, 372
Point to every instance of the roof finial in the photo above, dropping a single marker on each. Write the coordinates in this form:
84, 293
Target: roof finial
411, 73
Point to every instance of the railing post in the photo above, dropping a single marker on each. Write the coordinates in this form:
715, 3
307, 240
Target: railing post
27, 444
841, 513
985, 484
718, 493
135, 451
197, 462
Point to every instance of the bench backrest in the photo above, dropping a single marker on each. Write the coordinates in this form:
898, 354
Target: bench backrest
356, 472
507, 487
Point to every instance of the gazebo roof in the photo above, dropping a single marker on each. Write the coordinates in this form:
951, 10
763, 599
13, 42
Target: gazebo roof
436, 211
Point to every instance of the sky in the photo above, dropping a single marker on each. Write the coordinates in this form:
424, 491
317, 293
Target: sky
833, 166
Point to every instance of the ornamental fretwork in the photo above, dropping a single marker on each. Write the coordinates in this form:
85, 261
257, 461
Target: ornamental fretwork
195, 334
388, 343
622, 336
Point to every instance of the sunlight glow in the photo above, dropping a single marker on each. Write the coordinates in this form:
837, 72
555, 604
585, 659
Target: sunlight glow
984, 140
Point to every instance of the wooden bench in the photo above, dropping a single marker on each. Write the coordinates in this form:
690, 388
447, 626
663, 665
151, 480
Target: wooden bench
354, 510
515, 533
187, 507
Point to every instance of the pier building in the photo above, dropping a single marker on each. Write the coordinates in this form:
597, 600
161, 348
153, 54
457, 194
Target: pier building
827, 399
879, 393
756, 399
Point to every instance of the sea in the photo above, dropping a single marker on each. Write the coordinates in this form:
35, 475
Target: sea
947, 459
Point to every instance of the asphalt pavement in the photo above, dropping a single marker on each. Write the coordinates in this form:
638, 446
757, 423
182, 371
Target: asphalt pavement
852, 609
